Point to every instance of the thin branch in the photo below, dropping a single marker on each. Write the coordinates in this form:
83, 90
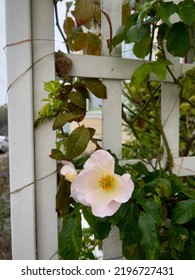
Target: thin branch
188, 145
58, 24
169, 155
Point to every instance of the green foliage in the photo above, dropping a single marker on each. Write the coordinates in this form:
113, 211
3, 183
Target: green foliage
70, 237
141, 26
77, 142
66, 103
3, 121
84, 11
156, 223
175, 45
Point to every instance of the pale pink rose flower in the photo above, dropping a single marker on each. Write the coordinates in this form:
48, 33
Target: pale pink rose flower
99, 187
68, 171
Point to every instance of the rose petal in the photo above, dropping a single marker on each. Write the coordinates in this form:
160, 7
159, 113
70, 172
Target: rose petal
105, 210
69, 172
99, 187
125, 188
102, 159
85, 182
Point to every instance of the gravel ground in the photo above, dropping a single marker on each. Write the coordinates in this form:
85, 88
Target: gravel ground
5, 230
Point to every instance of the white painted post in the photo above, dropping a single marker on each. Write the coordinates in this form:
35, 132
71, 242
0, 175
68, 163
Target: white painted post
111, 119
170, 104
45, 167
20, 115
170, 116
111, 108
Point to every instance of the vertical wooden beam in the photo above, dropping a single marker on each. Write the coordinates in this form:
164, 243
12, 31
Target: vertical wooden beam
170, 103
111, 118
45, 167
20, 116
111, 110
170, 116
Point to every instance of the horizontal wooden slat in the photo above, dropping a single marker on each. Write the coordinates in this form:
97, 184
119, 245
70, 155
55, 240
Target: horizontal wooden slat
106, 67
182, 166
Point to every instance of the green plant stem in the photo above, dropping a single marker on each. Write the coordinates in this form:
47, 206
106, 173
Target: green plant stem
168, 68
145, 105
162, 133
189, 142
130, 124
152, 39
58, 25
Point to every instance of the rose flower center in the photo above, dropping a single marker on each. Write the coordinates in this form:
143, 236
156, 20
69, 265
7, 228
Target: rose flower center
107, 181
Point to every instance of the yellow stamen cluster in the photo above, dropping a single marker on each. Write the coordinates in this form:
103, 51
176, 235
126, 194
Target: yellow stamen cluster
107, 181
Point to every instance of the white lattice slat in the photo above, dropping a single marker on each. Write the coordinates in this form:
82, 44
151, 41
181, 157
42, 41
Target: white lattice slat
107, 67
170, 115
20, 116
111, 112
45, 167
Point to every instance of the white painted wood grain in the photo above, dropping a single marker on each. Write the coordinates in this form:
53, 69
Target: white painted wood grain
45, 167
20, 115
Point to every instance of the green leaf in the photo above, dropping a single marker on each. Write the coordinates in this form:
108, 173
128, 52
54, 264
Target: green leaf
165, 10
162, 33
188, 253
119, 36
160, 68
100, 226
57, 154
91, 131
137, 32
149, 239
162, 186
140, 168
142, 49
46, 111
70, 238
50, 86
179, 187
184, 211
145, 9
80, 87
186, 11
77, 142
178, 236
128, 224
68, 26
141, 73
84, 11
63, 197
132, 252
78, 111
152, 207
96, 87
77, 41
131, 20
62, 119
94, 44
78, 99
178, 40
120, 214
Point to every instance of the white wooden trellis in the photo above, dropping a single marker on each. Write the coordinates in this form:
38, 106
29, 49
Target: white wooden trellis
32, 173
